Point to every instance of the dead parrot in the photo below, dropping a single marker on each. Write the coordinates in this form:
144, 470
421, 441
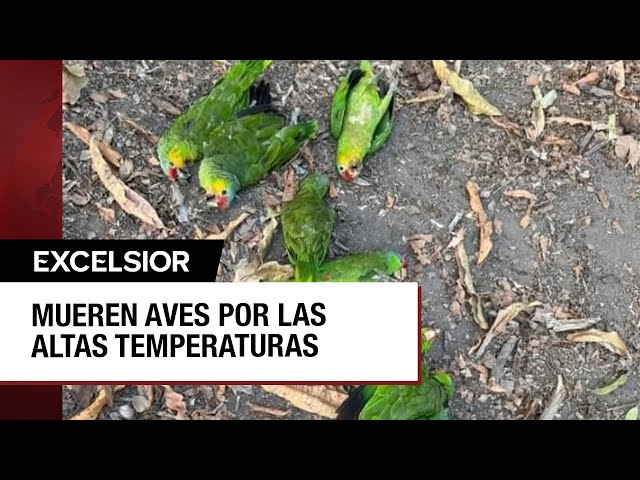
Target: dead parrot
427, 401
245, 150
307, 225
361, 118
361, 267
231, 94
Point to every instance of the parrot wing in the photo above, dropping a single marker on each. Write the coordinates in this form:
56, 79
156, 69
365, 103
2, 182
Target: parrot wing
286, 143
360, 267
384, 128
341, 100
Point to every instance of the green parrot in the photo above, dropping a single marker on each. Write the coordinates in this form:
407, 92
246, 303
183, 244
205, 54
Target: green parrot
361, 267
307, 224
361, 118
231, 94
427, 401
243, 151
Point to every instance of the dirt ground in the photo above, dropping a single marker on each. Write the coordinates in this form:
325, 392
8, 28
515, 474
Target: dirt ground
580, 255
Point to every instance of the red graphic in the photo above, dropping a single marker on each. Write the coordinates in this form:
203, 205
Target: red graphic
30, 189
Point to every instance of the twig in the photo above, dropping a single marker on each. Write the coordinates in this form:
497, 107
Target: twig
153, 139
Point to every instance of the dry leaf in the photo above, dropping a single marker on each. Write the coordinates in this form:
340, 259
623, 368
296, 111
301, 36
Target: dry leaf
603, 198
628, 148
615, 224
256, 270
457, 239
276, 412
555, 402
78, 199
333, 191
543, 243
93, 411
117, 93
632, 414
551, 320
73, 81
616, 71
610, 340
152, 138
165, 106
500, 323
613, 386
467, 282
486, 226
107, 214
99, 97
83, 134
569, 121
289, 185
464, 88
521, 194
130, 201
571, 88
227, 232
589, 78
318, 399
174, 401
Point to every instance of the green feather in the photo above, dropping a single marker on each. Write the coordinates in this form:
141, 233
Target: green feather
229, 95
360, 267
245, 150
307, 224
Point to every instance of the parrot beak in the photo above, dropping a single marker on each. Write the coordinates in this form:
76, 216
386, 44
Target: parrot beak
348, 176
218, 201
173, 174
183, 175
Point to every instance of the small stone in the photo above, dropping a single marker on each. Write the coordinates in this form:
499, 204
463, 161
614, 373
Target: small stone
127, 412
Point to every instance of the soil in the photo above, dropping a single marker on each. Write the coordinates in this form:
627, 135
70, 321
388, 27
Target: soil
590, 268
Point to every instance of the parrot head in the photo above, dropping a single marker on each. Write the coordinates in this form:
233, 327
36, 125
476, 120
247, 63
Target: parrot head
349, 166
221, 189
173, 157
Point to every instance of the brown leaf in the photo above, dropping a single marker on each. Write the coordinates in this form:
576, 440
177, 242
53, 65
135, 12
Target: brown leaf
521, 194
467, 282
99, 97
130, 201
628, 148
543, 243
610, 340
93, 411
83, 134
333, 191
390, 201
147, 391
151, 138
174, 401
589, 78
615, 224
227, 232
500, 323
418, 243
603, 198
276, 412
477, 104
117, 93
165, 106
79, 199
616, 71
73, 81
220, 394
318, 399
107, 214
485, 225
552, 408
289, 185
571, 88
497, 226
525, 221
457, 239
630, 121
553, 321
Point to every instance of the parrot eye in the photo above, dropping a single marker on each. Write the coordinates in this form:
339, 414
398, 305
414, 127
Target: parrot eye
341, 169
224, 192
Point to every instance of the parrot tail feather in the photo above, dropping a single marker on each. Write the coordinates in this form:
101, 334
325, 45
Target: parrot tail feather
353, 405
261, 94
